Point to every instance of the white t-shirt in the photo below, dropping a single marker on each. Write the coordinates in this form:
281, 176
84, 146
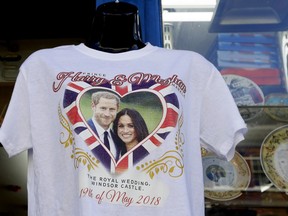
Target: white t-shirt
181, 96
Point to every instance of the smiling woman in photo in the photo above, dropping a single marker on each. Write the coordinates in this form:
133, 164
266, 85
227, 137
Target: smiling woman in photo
130, 127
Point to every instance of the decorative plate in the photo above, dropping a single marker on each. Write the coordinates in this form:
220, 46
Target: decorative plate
274, 157
277, 109
225, 180
245, 93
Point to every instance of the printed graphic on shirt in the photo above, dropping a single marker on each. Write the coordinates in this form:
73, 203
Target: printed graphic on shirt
123, 108
139, 188
139, 117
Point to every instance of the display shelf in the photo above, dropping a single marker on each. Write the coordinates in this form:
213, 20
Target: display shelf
254, 65
264, 191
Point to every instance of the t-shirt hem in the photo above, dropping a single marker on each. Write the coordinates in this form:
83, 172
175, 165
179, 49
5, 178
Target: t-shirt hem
228, 153
226, 150
8, 146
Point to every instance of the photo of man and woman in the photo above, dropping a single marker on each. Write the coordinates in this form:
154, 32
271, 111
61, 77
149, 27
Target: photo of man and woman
121, 123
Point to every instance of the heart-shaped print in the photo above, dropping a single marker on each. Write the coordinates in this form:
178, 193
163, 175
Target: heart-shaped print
166, 99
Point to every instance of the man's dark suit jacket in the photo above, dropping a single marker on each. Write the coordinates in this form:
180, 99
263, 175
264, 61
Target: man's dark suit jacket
116, 140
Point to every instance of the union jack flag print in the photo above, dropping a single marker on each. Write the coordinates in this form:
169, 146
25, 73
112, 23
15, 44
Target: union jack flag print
170, 105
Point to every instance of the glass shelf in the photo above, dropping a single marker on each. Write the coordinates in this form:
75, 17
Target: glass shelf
257, 60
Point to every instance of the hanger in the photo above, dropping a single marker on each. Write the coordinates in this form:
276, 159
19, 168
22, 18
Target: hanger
115, 28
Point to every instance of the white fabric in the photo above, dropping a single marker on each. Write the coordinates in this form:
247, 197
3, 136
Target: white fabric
65, 177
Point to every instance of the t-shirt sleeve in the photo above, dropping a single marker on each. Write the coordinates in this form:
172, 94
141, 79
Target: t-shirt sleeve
222, 126
15, 130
